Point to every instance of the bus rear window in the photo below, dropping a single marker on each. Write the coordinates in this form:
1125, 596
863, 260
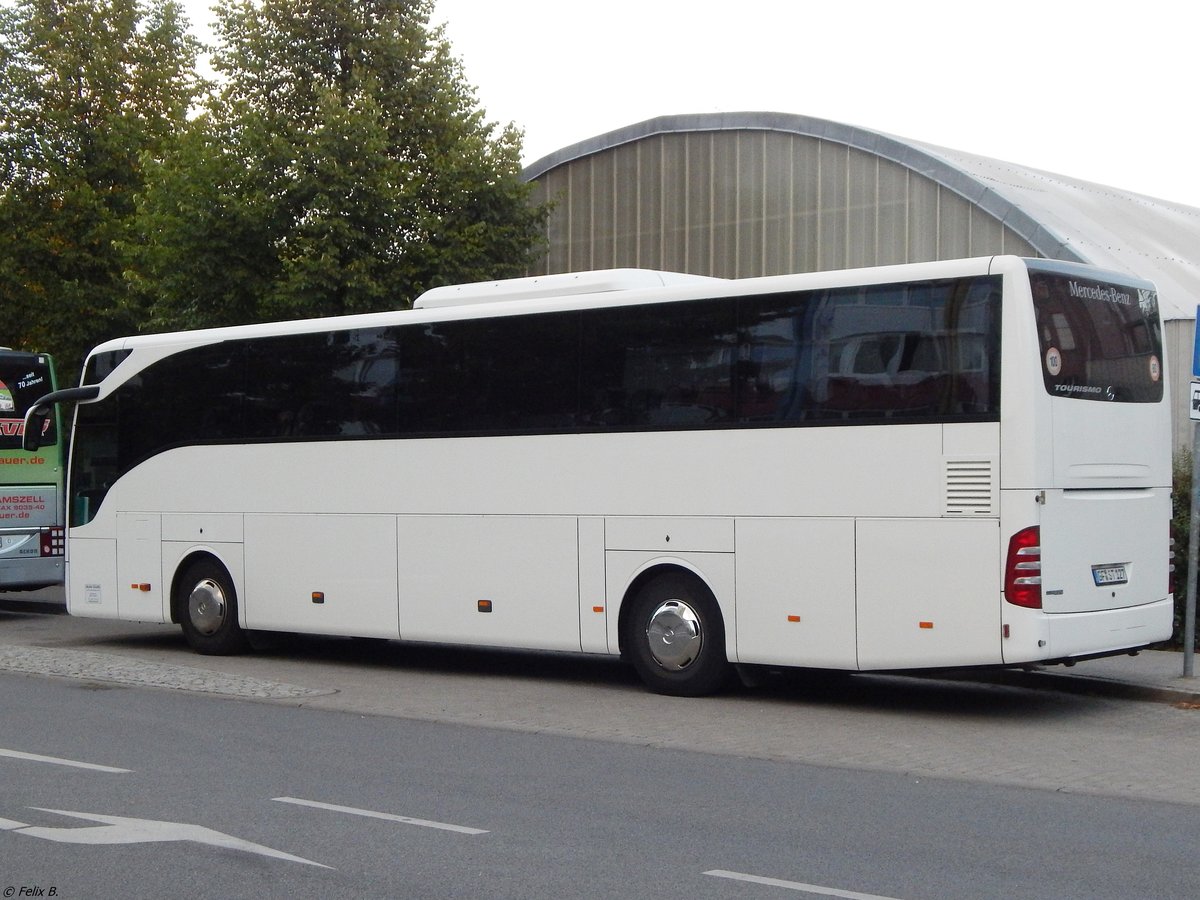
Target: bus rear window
24, 378
1099, 340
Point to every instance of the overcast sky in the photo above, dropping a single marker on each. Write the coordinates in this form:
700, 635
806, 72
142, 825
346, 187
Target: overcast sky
1106, 93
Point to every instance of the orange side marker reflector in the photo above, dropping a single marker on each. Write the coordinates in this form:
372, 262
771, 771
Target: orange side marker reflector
485, 606
597, 609
318, 597
144, 588
926, 624
793, 618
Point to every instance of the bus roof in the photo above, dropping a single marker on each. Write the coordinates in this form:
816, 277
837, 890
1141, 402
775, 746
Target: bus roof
562, 285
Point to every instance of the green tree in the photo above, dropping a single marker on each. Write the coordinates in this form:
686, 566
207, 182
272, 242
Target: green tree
1181, 527
88, 89
343, 166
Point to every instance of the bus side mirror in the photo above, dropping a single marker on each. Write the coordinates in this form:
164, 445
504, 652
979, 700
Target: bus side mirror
35, 423
38, 414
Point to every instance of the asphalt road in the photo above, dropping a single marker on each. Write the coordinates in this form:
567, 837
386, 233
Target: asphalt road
208, 797
419, 771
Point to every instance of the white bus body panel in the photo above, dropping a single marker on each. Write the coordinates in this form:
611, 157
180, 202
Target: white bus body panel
1108, 445
593, 603
321, 574
139, 565
1125, 528
866, 471
927, 593
418, 561
526, 567
797, 576
92, 573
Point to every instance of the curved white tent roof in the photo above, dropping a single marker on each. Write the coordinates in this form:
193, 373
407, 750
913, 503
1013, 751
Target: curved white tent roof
1104, 226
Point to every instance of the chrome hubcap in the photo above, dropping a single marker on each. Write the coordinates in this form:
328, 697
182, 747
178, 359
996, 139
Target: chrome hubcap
206, 606
674, 635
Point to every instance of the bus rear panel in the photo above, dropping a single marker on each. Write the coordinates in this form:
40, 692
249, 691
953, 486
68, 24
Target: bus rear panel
31, 527
1087, 482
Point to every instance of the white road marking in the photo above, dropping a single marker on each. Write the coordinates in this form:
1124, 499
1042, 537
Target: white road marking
424, 823
54, 760
123, 830
796, 886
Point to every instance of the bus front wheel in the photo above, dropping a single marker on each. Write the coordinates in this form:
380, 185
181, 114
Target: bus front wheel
675, 637
207, 609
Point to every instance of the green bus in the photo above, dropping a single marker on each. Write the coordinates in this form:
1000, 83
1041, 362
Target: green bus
31, 483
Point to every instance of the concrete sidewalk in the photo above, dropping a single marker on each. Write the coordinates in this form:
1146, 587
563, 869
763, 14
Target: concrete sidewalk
1151, 675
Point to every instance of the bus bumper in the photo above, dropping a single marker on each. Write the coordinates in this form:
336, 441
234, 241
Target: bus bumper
1110, 630
27, 574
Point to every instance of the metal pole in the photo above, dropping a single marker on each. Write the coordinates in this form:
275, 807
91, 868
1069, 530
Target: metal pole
1189, 610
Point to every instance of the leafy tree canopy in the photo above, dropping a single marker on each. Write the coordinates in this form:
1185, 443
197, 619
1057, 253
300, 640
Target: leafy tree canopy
87, 88
339, 163
343, 165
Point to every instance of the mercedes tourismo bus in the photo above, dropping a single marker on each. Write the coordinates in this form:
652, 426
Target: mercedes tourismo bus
31, 483
937, 465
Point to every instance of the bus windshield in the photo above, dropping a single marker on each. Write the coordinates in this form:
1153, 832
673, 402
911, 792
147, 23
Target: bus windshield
24, 378
31, 537
1099, 341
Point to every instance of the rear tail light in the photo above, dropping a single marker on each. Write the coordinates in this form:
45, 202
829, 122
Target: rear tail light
1023, 569
53, 542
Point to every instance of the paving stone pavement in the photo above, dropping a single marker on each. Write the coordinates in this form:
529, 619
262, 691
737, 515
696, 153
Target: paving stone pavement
113, 669
1124, 726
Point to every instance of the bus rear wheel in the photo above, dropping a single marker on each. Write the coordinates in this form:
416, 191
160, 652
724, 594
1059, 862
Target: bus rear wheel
207, 608
675, 637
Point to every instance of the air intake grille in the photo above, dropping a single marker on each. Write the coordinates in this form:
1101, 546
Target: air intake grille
970, 487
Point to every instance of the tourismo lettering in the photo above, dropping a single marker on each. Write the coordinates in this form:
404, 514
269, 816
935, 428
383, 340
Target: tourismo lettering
1105, 292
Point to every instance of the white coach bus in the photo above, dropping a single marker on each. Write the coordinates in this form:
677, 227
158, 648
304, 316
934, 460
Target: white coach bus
937, 465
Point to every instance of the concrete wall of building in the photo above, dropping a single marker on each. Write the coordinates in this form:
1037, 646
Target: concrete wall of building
1179, 338
740, 203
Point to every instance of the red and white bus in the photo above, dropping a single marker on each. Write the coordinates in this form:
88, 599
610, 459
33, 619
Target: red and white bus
31, 483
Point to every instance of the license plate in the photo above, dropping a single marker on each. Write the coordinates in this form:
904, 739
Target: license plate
1106, 575
8, 541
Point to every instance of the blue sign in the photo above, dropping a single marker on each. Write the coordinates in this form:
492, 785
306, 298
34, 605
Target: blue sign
1196, 349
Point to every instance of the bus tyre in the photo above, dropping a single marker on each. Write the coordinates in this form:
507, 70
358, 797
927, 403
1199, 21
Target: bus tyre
675, 637
207, 608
